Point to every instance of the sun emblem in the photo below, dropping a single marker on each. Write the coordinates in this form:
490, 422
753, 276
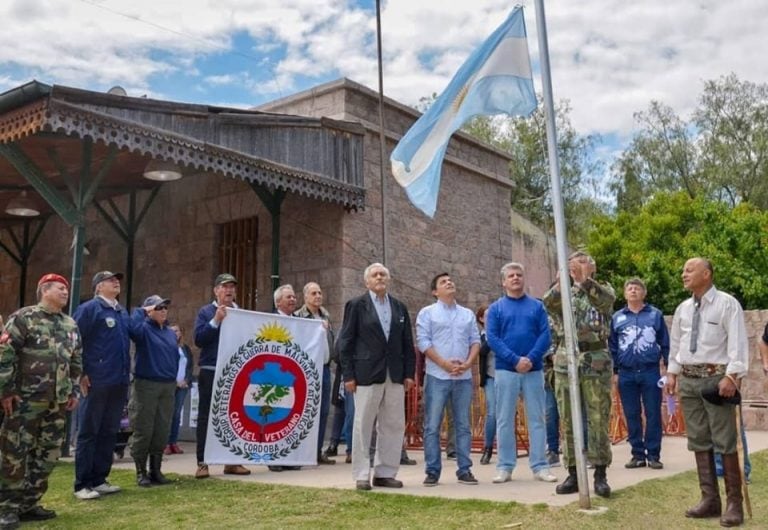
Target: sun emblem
274, 332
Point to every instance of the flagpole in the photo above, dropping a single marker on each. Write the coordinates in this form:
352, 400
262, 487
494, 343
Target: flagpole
382, 149
562, 262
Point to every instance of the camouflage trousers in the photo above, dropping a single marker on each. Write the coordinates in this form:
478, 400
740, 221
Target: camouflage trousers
30, 442
596, 400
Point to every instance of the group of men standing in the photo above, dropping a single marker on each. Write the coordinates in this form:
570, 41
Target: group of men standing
48, 361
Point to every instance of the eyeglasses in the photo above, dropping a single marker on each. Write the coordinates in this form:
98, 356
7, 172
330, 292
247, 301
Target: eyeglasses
161, 308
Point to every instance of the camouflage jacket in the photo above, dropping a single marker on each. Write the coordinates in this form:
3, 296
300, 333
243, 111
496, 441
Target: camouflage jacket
304, 312
592, 307
40, 355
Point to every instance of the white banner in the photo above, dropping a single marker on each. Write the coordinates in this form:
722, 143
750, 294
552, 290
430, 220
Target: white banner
265, 407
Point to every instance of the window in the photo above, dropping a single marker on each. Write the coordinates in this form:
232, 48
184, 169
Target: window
237, 255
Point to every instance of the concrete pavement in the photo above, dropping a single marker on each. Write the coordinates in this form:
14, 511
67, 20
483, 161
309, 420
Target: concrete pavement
523, 488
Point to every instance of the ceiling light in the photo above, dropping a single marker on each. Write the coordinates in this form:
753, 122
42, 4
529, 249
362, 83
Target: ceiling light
162, 171
22, 206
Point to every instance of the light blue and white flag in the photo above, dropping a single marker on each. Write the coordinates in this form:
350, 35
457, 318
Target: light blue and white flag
495, 79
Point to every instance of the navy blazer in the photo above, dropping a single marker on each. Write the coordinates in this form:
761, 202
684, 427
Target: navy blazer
366, 354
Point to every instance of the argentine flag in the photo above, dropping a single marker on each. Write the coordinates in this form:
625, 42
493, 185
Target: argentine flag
495, 79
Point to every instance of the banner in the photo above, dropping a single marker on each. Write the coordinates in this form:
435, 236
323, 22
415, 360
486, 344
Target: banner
265, 407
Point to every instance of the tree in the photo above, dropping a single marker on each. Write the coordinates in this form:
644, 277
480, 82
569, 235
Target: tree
721, 153
654, 242
525, 140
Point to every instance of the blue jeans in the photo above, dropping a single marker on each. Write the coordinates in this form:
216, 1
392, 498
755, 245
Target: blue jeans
325, 407
438, 393
99, 418
639, 391
509, 386
553, 422
178, 404
747, 463
349, 419
490, 412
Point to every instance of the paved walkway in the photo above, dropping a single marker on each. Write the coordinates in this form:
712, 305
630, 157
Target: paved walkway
523, 488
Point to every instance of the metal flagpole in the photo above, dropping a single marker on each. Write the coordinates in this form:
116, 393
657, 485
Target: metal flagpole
382, 149
562, 262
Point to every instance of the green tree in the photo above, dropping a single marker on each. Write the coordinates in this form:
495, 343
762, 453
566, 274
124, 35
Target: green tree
721, 153
525, 140
654, 242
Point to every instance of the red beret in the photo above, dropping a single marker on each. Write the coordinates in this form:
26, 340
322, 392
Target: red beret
52, 277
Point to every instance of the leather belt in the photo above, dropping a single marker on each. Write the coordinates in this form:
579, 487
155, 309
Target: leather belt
700, 371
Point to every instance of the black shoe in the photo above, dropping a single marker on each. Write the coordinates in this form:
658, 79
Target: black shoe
387, 482
486, 458
655, 464
142, 479
635, 463
467, 478
9, 521
430, 480
275, 469
333, 450
601, 482
363, 485
324, 460
37, 513
155, 475
570, 484
406, 461
451, 455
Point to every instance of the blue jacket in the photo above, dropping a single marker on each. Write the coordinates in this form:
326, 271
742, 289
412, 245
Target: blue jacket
106, 344
207, 336
157, 353
638, 340
515, 328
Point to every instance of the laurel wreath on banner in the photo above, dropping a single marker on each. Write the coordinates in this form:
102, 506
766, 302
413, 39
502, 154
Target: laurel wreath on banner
312, 406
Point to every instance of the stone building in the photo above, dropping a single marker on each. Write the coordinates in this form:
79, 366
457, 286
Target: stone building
190, 225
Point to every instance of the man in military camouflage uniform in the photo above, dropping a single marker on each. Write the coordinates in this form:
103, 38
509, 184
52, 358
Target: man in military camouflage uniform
592, 307
40, 364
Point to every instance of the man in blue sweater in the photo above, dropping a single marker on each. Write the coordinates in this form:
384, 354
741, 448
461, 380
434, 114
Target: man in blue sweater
207, 331
103, 325
518, 333
638, 341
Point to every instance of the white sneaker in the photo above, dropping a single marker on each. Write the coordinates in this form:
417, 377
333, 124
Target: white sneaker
502, 476
106, 488
545, 476
85, 494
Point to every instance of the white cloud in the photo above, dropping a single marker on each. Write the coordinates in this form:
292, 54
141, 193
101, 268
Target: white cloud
610, 58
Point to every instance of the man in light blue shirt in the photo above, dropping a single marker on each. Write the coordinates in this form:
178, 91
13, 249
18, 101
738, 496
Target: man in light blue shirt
447, 334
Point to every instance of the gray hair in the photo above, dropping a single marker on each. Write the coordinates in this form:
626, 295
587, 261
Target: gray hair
279, 292
370, 267
42, 288
509, 266
306, 287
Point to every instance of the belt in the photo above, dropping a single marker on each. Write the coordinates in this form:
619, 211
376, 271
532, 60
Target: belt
590, 346
700, 371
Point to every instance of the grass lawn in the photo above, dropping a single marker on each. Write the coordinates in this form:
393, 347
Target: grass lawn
213, 503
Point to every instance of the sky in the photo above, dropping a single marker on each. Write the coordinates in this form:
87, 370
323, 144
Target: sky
610, 58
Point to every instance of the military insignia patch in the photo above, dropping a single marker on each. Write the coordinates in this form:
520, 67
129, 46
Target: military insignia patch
110, 322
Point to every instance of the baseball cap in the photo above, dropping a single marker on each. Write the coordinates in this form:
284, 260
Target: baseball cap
155, 300
105, 275
224, 278
53, 277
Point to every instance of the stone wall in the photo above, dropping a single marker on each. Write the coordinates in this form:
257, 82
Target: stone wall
755, 386
472, 233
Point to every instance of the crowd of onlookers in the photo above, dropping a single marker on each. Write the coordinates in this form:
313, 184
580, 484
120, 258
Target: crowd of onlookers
50, 363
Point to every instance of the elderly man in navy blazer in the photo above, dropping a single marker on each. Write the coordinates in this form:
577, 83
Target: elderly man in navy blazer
378, 362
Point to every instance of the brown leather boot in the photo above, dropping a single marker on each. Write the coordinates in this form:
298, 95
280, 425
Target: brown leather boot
734, 510
710, 505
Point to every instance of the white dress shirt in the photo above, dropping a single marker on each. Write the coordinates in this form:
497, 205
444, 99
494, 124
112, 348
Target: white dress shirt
722, 336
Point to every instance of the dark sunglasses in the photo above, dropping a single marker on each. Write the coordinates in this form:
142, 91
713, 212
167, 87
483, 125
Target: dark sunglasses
161, 308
